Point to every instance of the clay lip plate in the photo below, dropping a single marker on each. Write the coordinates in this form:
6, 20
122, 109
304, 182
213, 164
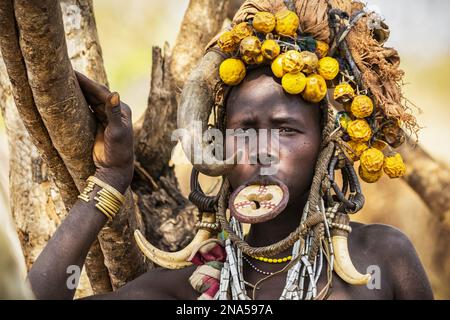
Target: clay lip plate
258, 201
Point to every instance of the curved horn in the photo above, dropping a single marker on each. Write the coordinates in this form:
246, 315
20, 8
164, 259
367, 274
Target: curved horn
196, 103
343, 264
174, 260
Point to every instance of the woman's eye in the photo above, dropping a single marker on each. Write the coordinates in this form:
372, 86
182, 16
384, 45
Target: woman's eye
286, 130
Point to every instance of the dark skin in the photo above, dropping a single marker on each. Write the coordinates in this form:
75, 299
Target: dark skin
259, 102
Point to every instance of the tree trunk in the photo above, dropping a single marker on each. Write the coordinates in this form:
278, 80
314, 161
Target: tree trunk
58, 105
430, 179
168, 216
202, 21
86, 57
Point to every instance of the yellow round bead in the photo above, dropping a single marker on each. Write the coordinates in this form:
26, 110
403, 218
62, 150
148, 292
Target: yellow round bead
343, 93
289, 257
293, 83
359, 130
250, 47
264, 22
372, 160
232, 71
265, 259
369, 177
287, 23
270, 260
358, 148
322, 49
394, 167
253, 60
228, 42
242, 30
316, 88
270, 49
293, 62
285, 259
328, 68
280, 260
362, 106
310, 62
277, 66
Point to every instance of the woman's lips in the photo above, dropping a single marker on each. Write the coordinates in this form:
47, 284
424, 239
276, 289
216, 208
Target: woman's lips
259, 199
262, 180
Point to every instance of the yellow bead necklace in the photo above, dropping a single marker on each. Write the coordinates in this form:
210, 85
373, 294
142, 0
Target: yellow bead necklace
273, 260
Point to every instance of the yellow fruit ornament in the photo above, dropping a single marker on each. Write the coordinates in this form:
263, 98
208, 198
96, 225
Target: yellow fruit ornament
344, 93
253, 60
359, 130
357, 149
372, 160
242, 30
369, 177
227, 42
293, 62
344, 120
316, 88
270, 49
232, 71
310, 62
264, 22
394, 166
362, 106
277, 66
287, 23
250, 47
328, 68
294, 83
322, 49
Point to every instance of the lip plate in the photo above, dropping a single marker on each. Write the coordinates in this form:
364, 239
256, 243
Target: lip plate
260, 218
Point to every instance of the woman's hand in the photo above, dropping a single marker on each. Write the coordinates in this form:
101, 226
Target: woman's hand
113, 149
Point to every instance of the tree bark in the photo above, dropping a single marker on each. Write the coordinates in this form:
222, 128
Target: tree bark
58, 98
202, 21
36, 203
168, 216
56, 95
85, 54
23, 97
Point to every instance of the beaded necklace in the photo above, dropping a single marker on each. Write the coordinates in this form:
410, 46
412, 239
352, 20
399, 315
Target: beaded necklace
232, 283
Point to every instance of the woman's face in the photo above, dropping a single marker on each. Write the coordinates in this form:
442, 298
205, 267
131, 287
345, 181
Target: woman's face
260, 102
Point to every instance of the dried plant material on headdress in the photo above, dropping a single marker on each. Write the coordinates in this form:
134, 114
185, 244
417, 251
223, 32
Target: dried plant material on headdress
380, 70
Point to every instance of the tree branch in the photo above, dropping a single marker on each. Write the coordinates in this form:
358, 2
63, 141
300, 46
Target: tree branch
23, 97
202, 21
68, 120
430, 179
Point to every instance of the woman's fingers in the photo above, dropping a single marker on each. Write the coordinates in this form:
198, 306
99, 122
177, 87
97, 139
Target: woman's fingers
113, 110
95, 95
